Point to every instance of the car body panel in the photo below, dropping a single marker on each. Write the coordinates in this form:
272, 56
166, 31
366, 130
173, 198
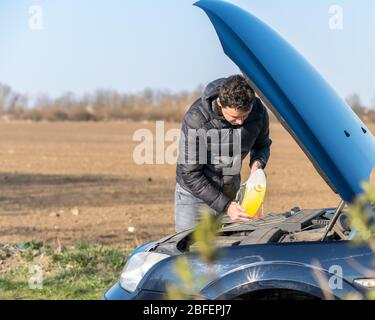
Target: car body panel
118, 293
280, 275
250, 268
338, 143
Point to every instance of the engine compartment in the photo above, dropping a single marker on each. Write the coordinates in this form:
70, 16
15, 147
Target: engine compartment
295, 225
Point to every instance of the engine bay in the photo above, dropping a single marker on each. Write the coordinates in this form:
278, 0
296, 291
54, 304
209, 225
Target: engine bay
295, 225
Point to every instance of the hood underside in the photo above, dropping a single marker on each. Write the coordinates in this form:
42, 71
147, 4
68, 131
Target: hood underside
338, 143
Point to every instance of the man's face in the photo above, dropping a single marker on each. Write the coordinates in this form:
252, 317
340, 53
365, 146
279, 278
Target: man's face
233, 116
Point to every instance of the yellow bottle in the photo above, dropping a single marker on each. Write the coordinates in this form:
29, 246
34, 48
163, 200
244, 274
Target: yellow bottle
254, 194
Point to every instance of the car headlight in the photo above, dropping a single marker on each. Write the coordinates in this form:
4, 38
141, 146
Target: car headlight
365, 283
137, 266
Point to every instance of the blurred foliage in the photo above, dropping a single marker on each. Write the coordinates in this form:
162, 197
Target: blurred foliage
361, 219
184, 273
361, 214
205, 236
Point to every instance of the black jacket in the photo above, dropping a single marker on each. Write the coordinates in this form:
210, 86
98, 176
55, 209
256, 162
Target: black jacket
206, 180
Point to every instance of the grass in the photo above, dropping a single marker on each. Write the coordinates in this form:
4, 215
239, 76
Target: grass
34, 271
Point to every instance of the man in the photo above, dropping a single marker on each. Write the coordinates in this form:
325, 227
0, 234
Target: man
229, 107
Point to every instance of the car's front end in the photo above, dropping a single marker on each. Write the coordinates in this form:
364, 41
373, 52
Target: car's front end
281, 251
139, 262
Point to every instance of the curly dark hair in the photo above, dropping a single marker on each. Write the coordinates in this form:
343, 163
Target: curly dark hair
236, 93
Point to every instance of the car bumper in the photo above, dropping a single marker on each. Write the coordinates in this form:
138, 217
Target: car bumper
116, 292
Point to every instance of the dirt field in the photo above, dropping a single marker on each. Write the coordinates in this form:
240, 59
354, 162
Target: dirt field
65, 182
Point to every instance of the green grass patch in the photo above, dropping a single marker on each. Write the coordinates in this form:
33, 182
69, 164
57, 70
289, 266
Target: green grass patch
34, 271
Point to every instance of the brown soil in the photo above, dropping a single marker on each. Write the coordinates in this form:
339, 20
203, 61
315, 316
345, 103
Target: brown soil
65, 182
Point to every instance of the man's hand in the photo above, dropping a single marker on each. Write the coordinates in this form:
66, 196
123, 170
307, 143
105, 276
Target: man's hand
237, 213
256, 165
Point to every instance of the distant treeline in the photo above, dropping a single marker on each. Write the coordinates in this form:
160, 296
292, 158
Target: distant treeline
110, 105
102, 105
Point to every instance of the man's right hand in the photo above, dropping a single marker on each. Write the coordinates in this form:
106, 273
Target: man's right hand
237, 213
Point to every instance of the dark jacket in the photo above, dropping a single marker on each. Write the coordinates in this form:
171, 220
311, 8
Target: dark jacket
206, 181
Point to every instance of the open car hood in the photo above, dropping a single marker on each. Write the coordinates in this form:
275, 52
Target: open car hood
337, 142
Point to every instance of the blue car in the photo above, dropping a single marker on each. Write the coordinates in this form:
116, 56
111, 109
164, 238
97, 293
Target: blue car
283, 255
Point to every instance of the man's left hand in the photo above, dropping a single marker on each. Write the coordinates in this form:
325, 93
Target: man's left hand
256, 165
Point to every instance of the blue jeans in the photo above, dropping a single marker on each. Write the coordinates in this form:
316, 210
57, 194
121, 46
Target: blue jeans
188, 209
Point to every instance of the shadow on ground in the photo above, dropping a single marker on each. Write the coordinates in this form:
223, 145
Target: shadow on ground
20, 193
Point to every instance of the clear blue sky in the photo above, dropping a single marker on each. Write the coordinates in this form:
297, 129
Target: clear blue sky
129, 45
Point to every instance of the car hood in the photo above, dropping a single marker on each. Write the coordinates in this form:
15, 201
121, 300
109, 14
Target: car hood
338, 143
